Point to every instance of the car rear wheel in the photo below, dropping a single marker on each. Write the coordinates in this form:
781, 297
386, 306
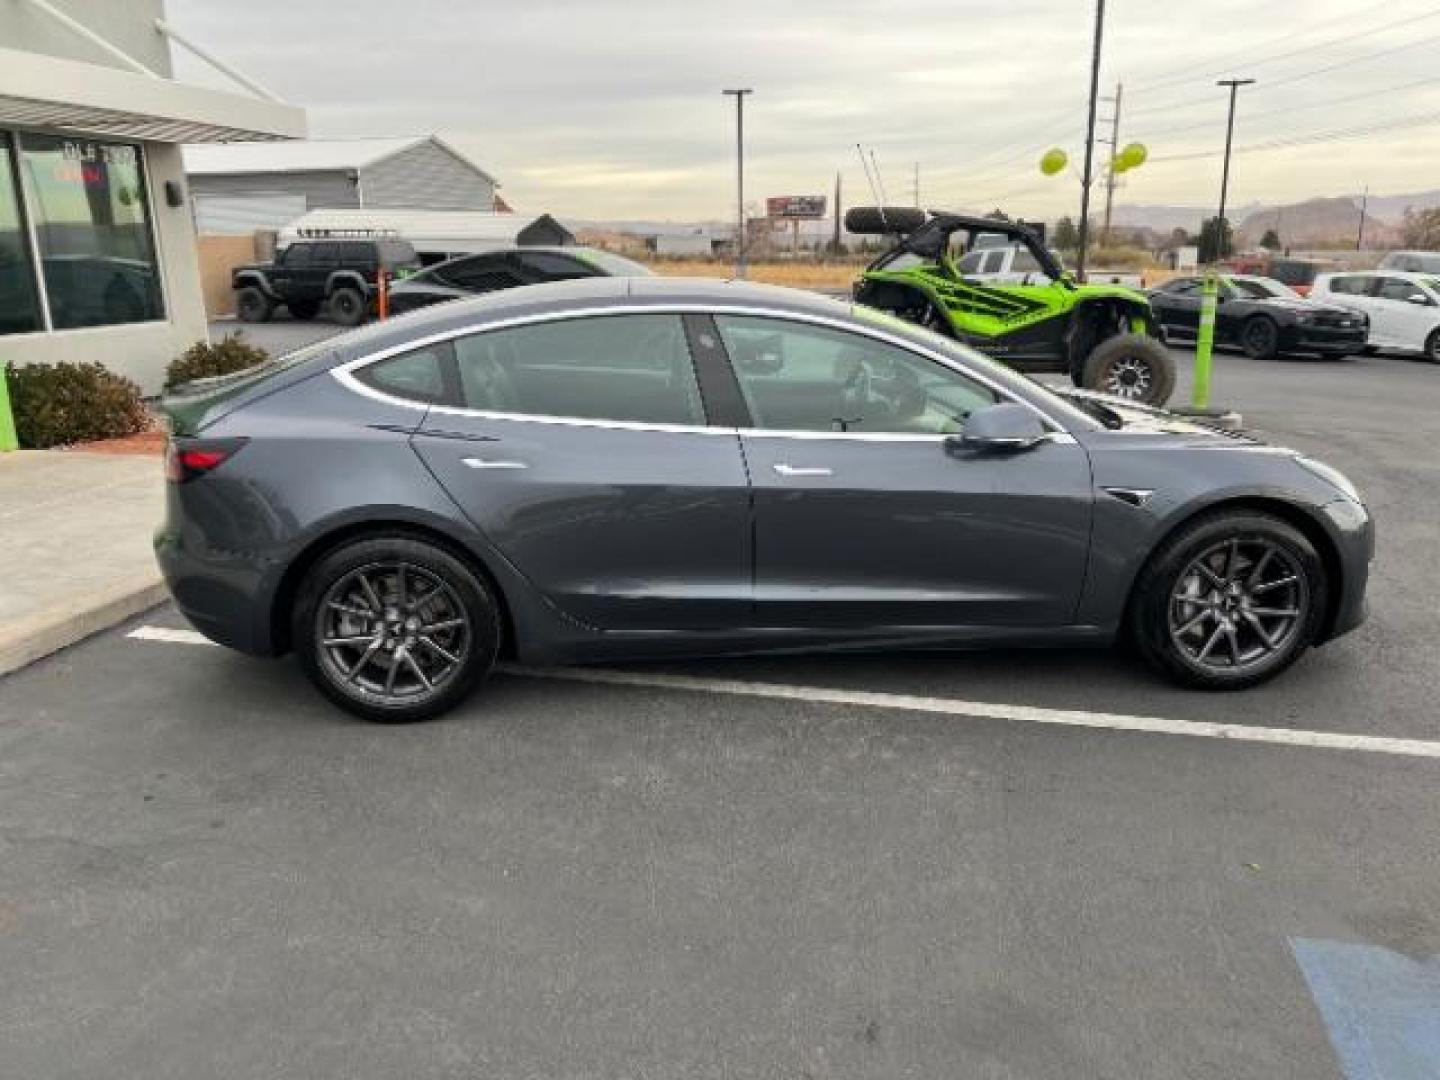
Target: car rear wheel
395, 629
1132, 366
347, 307
1260, 338
1230, 601
1432, 347
303, 309
252, 305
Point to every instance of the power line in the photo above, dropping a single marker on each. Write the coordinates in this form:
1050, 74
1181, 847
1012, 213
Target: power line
1285, 80
1352, 18
1316, 138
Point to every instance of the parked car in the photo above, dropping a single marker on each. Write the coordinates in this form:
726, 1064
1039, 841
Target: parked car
306, 275
1006, 262
1411, 262
603, 469
1299, 274
457, 279
1261, 316
1403, 309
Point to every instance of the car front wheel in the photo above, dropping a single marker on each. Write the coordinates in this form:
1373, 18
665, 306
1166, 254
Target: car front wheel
395, 629
1230, 601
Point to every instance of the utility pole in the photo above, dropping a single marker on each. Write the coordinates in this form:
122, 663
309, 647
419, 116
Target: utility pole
1114, 143
1364, 202
917, 185
1090, 138
739, 96
835, 244
1234, 85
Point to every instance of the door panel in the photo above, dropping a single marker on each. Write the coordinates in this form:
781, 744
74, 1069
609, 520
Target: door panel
903, 533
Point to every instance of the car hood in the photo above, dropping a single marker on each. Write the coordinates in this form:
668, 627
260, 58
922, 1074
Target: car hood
1301, 306
1144, 420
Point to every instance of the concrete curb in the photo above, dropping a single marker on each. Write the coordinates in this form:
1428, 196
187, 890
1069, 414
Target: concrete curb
50, 631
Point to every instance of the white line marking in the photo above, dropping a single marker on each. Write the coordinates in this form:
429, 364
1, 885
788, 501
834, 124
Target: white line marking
172, 637
979, 710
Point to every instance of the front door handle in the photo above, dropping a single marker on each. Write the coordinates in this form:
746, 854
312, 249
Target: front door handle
488, 463
802, 470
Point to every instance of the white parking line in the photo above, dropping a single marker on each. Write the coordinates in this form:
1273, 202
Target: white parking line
979, 710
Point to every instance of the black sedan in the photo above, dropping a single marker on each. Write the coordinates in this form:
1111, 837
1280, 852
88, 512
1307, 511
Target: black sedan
1261, 316
596, 470
507, 268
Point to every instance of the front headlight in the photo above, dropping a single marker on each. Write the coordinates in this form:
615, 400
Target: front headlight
1332, 476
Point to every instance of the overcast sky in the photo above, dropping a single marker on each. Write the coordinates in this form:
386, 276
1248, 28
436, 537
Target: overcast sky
612, 108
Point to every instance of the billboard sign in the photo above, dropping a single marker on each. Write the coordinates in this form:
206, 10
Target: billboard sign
795, 206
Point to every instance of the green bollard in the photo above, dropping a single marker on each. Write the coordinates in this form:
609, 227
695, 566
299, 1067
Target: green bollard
8, 440
1205, 342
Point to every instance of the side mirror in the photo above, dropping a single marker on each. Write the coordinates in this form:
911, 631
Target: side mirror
999, 429
1418, 298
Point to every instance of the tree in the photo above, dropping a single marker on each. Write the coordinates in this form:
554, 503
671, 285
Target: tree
1216, 240
1180, 238
1421, 229
1271, 240
1067, 237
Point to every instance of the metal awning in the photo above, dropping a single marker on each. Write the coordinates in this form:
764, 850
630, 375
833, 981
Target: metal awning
67, 95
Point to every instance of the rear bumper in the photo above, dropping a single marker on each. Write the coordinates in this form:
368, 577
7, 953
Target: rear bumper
222, 594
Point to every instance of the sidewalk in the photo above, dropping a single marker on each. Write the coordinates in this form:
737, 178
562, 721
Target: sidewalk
75, 531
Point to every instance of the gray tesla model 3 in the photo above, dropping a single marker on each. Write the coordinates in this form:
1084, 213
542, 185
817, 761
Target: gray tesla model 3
618, 468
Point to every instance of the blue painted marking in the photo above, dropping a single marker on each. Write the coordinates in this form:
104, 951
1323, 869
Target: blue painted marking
1381, 1008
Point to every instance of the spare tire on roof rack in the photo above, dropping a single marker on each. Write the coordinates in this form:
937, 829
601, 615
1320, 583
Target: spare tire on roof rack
883, 220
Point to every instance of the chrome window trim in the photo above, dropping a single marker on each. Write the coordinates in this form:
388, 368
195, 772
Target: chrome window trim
343, 373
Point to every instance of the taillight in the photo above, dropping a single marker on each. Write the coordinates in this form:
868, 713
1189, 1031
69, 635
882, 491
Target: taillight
185, 459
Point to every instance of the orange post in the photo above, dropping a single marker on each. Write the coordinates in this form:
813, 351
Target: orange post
382, 304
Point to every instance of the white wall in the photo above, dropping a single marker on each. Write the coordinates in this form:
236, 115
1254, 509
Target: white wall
129, 25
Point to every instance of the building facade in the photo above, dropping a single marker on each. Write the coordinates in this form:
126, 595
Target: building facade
97, 246
239, 189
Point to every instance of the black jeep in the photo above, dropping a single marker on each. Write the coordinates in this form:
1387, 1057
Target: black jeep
312, 271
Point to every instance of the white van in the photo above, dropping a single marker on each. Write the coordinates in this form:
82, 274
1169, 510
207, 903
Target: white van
1411, 262
1404, 309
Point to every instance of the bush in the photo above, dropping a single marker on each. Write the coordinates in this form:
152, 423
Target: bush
203, 360
58, 404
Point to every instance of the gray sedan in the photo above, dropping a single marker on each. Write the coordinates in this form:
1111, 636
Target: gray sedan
610, 468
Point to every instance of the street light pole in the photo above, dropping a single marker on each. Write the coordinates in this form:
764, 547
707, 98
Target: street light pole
1234, 85
1090, 138
739, 96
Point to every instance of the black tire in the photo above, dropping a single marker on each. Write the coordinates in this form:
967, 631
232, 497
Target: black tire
1133, 366
1432, 347
1155, 608
252, 305
880, 221
463, 627
347, 307
305, 310
1260, 338
1368, 350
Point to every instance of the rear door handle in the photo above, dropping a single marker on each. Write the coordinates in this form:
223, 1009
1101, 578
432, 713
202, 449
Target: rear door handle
803, 470
488, 463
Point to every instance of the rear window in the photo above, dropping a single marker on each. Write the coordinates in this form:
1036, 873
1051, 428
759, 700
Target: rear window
397, 252
1293, 273
417, 375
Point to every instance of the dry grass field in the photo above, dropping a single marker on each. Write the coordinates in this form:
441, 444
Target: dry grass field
799, 275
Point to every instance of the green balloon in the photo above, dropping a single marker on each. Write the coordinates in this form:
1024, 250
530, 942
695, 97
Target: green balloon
1053, 161
1134, 155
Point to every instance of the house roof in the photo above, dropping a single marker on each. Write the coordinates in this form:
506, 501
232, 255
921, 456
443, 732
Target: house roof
309, 155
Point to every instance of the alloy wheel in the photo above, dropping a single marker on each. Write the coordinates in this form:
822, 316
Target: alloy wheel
1128, 377
1237, 604
392, 632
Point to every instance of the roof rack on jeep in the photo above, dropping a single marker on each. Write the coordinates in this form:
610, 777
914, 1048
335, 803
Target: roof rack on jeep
347, 234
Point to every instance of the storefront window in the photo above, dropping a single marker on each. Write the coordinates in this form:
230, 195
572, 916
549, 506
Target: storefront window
92, 222
19, 307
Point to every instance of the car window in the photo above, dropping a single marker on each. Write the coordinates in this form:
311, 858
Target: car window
994, 262
1251, 289
1395, 288
631, 368
1350, 284
970, 263
548, 266
298, 254
799, 377
1025, 263
1182, 287
483, 273
416, 375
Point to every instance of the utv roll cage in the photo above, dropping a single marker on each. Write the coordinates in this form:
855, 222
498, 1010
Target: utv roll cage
930, 237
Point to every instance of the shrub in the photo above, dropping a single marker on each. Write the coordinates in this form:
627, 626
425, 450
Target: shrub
57, 404
203, 360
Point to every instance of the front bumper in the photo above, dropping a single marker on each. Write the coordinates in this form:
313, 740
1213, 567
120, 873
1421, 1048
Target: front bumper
1353, 529
1328, 339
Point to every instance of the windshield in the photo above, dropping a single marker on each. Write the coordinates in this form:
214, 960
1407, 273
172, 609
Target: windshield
1262, 288
614, 265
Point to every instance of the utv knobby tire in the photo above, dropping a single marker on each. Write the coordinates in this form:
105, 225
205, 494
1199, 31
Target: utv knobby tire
876, 220
1106, 367
252, 305
347, 306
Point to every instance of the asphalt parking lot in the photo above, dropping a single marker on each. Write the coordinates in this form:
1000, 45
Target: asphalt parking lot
210, 872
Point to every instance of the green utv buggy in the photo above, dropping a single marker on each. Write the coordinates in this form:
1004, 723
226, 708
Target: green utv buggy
1035, 317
